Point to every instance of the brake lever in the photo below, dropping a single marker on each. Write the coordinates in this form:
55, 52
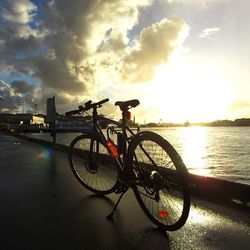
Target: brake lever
80, 108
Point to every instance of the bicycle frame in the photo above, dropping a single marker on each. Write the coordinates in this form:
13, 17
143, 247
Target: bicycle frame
97, 130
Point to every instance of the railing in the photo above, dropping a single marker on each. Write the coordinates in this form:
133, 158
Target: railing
54, 131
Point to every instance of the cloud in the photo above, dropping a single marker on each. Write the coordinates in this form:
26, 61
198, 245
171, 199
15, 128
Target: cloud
204, 3
9, 100
14, 94
154, 46
17, 11
209, 33
71, 39
240, 108
75, 48
22, 87
93, 34
19, 40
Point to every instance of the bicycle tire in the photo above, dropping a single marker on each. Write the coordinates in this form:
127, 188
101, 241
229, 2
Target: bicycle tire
161, 188
97, 170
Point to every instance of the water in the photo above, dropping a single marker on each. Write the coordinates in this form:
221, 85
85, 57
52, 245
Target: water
221, 152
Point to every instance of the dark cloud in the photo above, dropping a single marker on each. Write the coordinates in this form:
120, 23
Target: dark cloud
19, 42
56, 75
22, 87
15, 94
9, 101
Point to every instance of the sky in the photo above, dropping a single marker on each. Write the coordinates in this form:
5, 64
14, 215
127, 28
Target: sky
183, 59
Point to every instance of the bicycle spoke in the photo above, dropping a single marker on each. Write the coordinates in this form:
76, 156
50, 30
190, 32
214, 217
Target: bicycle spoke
93, 166
160, 187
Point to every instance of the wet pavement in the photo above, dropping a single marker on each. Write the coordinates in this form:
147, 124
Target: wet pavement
42, 206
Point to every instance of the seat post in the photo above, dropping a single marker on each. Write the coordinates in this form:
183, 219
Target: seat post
94, 117
124, 120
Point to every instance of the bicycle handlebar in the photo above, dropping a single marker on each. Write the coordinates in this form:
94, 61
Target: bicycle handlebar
90, 105
103, 101
73, 112
87, 106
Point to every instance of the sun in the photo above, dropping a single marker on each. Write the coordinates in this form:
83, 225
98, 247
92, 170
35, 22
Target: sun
185, 91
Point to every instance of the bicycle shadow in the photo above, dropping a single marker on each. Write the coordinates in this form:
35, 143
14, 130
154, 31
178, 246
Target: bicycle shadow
116, 234
96, 201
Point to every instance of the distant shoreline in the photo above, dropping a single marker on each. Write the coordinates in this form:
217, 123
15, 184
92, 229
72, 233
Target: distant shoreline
243, 122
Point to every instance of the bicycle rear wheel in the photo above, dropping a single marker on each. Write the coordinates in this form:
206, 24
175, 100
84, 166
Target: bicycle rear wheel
92, 164
160, 182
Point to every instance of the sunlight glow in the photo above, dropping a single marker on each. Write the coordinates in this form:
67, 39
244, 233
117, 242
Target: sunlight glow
185, 91
195, 149
197, 216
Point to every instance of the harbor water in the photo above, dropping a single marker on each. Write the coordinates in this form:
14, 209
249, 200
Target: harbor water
220, 152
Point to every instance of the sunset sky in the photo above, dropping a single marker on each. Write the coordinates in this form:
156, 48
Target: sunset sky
183, 59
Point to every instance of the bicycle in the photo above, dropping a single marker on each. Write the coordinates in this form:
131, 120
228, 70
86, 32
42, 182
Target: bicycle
122, 159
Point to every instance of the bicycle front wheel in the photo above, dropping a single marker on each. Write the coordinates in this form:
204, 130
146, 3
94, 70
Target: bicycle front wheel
160, 180
92, 164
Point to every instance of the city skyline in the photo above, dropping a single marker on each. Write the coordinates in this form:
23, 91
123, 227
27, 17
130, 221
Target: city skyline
183, 59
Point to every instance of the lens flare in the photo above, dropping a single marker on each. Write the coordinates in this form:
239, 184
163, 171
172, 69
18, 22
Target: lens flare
44, 154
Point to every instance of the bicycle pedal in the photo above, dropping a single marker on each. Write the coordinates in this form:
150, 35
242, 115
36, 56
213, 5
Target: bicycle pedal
110, 217
121, 189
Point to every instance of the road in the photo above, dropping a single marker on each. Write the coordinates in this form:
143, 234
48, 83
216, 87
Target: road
42, 206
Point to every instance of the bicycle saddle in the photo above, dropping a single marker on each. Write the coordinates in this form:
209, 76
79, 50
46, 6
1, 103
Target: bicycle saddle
127, 104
